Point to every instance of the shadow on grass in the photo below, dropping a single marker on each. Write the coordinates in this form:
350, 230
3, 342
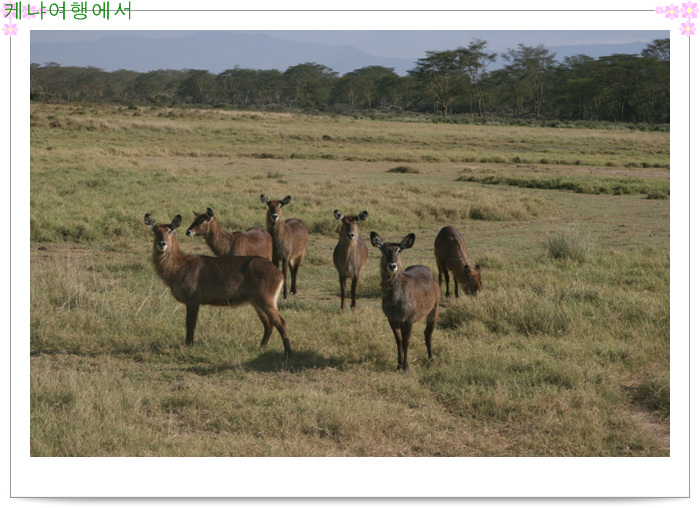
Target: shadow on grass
369, 295
274, 361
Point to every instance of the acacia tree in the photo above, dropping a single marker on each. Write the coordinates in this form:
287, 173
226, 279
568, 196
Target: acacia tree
308, 84
238, 85
392, 91
474, 61
658, 49
372, 82
270, 86
578, 87
348, 88
198, 86
120, 83
441, 73
148, 85
529, 69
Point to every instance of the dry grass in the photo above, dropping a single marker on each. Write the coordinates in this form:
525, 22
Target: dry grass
539, 364
290, 136
569, 243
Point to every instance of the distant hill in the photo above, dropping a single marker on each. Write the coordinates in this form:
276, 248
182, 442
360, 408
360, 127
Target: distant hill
220, 50
214, 51
597, 50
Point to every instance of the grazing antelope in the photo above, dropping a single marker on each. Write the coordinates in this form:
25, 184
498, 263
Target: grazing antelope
451, 256
407, 295
350, 255
255, 241
227, 281
289, 239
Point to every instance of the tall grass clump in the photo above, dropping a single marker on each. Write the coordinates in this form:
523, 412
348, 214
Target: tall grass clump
569, 243
404, 170
658, 194
655, 394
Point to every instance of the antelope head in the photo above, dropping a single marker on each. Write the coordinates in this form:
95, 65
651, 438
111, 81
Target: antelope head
201, 223
391, 259
163, 233
274, 208
348, 228
473, 282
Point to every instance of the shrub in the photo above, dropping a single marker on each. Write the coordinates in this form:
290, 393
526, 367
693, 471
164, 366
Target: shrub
569, 243
658, 194
403, 169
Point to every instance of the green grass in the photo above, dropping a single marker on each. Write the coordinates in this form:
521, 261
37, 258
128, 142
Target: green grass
656, 188
569, 243
557, 356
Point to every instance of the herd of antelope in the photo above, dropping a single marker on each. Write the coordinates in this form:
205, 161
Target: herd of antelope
247, 270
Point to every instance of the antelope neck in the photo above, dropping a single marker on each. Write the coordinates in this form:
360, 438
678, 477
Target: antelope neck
168, 263
216, 237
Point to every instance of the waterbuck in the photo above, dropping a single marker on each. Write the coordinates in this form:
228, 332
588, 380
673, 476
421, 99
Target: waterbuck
226, 281
289, 239
407, 295
451, 256
350, 255
255, 241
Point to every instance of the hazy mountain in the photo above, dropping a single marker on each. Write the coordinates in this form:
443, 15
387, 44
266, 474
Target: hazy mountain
219, 50
597, 50
215, 51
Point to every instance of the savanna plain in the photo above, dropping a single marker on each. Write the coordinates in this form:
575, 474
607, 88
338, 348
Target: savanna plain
564, 352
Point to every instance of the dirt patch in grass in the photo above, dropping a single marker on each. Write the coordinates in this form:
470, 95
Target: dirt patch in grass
649, 421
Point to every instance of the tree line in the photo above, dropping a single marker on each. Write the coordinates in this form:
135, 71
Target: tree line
531, 85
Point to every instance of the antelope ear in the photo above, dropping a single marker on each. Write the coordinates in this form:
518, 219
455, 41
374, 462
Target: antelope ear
148, 220
176, 222
210, 213
362, 216
407, 242
376, 240
337, 214
478, 268
264, 199
286, 200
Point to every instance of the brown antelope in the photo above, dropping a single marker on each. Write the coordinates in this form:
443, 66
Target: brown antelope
451, 256
226, 281
289, 239
255, 241
407, 295
350, 255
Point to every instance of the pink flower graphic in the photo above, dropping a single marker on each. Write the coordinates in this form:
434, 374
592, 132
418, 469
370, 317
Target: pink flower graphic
7, 14
10, 29
27, 10
690, 10
687, 29
660, 10
672, 11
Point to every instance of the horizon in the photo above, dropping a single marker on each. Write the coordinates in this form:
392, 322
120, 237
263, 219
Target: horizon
399, 48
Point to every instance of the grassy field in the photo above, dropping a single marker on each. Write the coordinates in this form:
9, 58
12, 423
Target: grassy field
560, 355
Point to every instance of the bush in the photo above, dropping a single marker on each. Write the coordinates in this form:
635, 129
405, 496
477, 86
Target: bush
569, 243
403, 169
658, 194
